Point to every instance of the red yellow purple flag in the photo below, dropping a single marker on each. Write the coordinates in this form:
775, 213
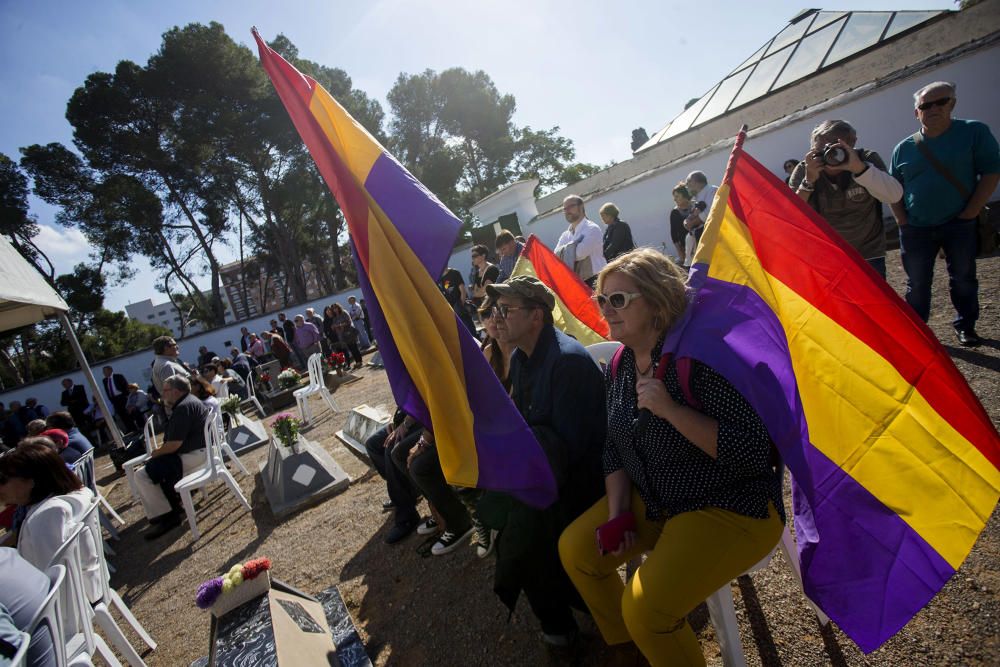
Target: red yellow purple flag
401, 238
893, 459
575, 312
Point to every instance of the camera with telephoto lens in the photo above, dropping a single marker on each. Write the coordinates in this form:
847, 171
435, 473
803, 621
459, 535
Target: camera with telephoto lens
833, 155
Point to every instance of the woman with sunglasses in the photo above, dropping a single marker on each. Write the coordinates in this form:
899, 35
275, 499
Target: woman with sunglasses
497, 353
692, 484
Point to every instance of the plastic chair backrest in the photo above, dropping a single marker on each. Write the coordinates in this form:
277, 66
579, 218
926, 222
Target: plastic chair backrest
602, 352
316, 371
149, 434
84, 469
21, 657
49, 613
92, 521
213, 444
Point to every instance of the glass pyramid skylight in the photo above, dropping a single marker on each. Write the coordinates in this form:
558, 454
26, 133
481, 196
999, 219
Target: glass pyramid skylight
812, 41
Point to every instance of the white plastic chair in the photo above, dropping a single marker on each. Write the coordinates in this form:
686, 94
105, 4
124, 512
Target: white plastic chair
213, 471
80, 642
252, 394
130, 466
316, 386
226, 449
602, 352
20, 658
50, 614
109, 597
84, 469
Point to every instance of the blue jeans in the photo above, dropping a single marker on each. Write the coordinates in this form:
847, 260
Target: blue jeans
919, 247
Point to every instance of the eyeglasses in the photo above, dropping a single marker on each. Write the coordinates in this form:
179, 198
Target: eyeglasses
503, 309
617, 300
934, 103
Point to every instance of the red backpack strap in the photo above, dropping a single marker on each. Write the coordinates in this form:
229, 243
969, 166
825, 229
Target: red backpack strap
684, 367
616, 359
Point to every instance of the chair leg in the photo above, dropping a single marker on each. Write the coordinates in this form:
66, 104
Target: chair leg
325, 393
108, 526
235, 459
302, 402
235, 488
723, 613
132, 620
792, 557
260, 408
130, 476
107, 623
105, 651
189, 510
111, 510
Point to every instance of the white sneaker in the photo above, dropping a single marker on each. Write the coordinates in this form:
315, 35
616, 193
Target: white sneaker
450, 541
427, 527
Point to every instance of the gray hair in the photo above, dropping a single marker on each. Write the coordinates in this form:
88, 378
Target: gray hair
698, 176
610, 210
934, 86
838, 128
179, 382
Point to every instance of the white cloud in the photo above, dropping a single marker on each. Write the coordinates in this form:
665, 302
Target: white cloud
64, 247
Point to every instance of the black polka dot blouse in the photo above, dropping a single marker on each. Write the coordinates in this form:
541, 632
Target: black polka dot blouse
672, 474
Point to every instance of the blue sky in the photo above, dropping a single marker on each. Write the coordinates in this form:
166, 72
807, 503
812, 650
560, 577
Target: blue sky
597, 69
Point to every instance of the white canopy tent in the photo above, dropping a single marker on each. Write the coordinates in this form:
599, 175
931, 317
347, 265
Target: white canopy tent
25, 298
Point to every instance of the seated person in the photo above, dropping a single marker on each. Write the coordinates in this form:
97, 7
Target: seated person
205, 392
400, 434
77, 440
138, 404
23, 588
35, 426
219, 381
55, 501
695, 489
182, 451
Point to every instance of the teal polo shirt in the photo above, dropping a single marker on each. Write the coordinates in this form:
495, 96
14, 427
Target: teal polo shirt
968, 149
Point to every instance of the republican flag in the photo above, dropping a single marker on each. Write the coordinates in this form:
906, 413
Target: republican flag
894, 461
575, 312
401, 238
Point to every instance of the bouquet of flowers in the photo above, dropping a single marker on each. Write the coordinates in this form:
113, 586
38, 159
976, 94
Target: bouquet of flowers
335, 360
241, 584
265, 379
286, 428
231, 405
288, 378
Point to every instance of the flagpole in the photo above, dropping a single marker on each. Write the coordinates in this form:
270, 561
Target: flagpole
737, 148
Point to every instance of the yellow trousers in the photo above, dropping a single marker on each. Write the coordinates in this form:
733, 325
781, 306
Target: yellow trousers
689, 557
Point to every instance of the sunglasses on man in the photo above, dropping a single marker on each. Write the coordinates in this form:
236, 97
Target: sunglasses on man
934, 103
502, 310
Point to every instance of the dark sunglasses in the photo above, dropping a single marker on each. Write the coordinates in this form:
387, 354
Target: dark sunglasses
504, 309
617, 300
934, 103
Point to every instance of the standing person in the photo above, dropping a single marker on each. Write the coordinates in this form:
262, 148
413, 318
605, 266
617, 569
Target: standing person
74, 399
138, 404
288, 333
280, 349
617, 234
678, 232
317, 322
453, 288
244, 339
949, 170
847, 187
256, 349
307, 338
581, 246
702, 195
346, 333
116, 389
695, 487
788, 168
358, 321
484, 272
166, 361
559, 391
205, 356
41, 412
181, 452
368, 322
509, 249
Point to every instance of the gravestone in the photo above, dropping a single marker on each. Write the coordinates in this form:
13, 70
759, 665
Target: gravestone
361, 424
300, 475
246, 434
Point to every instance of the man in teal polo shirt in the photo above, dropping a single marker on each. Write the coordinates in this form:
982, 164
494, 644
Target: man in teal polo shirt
935, 213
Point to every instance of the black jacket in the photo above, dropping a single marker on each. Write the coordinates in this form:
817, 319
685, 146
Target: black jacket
617, 239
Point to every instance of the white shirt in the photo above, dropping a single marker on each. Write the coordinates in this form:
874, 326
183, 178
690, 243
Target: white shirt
221, 388
354, 309
589, 239
706, 195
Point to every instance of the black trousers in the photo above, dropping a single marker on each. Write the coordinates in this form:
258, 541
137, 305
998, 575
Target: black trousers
165, 471
402, 493
426, 473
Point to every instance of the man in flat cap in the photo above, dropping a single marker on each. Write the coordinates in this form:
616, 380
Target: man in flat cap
559, 391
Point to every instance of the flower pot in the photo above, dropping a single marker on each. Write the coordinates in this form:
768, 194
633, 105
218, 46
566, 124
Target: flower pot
243, 593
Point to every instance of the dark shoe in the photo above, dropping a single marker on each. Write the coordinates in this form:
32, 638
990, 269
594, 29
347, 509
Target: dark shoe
388, 506
450, 541
968, 338
400, 531
428, 526
167, 523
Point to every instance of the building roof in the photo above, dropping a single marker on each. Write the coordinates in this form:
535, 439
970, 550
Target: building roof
813, 41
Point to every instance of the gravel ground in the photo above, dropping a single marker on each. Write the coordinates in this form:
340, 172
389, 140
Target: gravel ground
419, 611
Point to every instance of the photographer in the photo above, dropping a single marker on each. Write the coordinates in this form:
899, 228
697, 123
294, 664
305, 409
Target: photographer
847, 186
702, 195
